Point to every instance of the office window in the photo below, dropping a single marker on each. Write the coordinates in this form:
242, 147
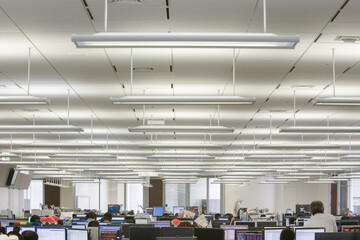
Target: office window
214, 197
134, 196
355, 195
35, 193
175, 195
198, 193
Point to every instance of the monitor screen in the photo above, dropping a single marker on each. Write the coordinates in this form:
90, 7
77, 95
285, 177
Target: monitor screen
266, 224
230, 230
335, 236
249, 223
51, 233
109, 232
114, 208
149, 211
248, 235
178, 209
22, 228
193, 209
302, 208
177, 232
209, 234
77, 234
144, 233
272, 233
3, 223
79, 226
104, 223
81, 215
79, 222
161, 223
307, 233
118, 218
158, 211
98, 218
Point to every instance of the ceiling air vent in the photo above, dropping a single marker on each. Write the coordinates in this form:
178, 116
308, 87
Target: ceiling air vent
348, 39
143, 69
278, 110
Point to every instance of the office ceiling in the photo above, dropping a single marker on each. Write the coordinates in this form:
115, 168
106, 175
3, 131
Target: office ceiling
95, 75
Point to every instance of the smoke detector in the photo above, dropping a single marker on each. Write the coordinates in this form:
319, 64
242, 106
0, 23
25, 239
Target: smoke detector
348, 39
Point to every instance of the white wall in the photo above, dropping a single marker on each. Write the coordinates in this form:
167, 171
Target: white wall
253, 195
67, 198
275, 197
12, 199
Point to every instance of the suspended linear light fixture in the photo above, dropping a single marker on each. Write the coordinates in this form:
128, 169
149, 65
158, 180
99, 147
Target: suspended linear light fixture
180, 145
264, 157
39, 128
297, 146
180, 129
336, 101
321, 129
191, 157
86, 156
27, 99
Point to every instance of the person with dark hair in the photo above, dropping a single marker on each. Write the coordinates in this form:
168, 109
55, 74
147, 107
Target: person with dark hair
16, 234
2, 230
16, 228
108, 215
287, 234
93, 224
91, 216
319, 219
35, 218
105, 219
217, 216
292, 221
30, 235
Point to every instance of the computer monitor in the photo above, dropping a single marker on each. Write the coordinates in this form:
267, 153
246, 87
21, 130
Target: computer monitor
223, 219
217, 223
4, 223
98, 218
178, 209
230, 230
209, 234
307, 233
149, 211
266, 223
177, 232
81, 215
160, 224
125, 228
144, 233
77, 234
176, 238
248, 223
22, 228
141, 221
352, 228
158, 211
335, 236
109, 232
248, 235
118, 218
78, 226
114, 208
348, 222
81, 222
302, 208
272, 233
193, 209
51, 233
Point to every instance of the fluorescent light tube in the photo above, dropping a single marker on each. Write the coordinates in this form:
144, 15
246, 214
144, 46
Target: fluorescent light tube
82, 156
292, 177
39, 128
261, 157
306, 174
159, 156
8, 155
340, 164
180, 145
349, 157
320, 182
337, 101
322, 129
182, 100
180, 129
184, 40
23, 100
62, 144
333, 179
298, 146
274, 182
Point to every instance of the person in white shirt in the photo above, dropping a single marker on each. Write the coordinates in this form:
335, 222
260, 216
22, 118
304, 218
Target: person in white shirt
319, 219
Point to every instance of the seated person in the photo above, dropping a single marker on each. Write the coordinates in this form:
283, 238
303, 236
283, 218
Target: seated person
16, 228
35, 218
14, 235
348, 215
292, 221
105, 219
217, 216
30, 235
287, 234
319, 219
108, 215
93, 224
91, 216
